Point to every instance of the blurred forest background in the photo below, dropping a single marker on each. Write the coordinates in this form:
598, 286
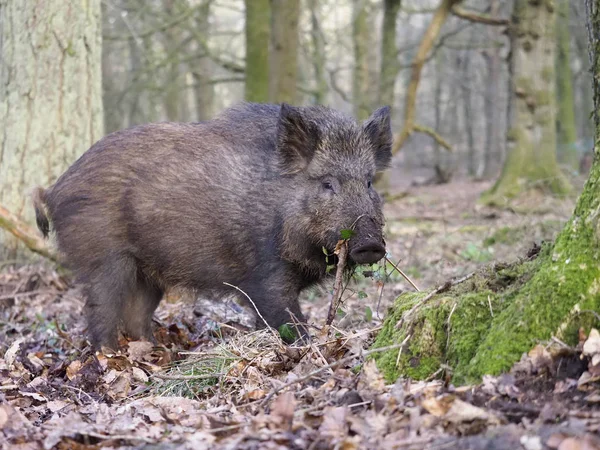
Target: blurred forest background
185, 60
470, 82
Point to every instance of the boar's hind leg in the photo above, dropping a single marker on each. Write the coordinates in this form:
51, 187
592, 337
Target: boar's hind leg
107, 287
139, 308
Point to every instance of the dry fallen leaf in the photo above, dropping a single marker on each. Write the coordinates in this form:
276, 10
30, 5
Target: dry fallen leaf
334, 422
591, 346
73, 369
282, 410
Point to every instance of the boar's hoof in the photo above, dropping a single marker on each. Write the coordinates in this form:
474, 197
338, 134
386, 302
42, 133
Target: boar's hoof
368, 253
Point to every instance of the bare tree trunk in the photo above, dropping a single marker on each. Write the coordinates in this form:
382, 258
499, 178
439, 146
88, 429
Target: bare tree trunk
283, 60
172, 91
389, 52
258, 23
361, 80
492, 153
203, 88
51, 96
318, 56
565, 118
531, 140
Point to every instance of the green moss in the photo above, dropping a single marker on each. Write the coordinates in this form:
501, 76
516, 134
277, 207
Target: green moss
548, 73
449, 328
70, 50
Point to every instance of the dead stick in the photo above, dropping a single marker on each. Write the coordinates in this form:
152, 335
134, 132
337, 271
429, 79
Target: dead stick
337, 286
395, 266
327, 367
26, 234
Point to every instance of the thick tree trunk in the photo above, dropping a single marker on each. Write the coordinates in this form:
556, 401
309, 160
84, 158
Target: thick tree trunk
258, 26
483, 324
50, 100
389, 53
565, 118
531, 139
283, 60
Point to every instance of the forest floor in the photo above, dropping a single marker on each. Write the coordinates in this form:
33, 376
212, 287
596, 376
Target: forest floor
213, 385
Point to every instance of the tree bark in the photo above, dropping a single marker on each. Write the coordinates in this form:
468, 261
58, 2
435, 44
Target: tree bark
203, 89
493, 153
283, 59
50, 100
565, 119
361, 79
388, 70
318, 56
483, 323
258, 23
531, 138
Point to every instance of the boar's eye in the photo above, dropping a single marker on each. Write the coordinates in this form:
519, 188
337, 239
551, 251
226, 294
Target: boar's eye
369, 184
328, 185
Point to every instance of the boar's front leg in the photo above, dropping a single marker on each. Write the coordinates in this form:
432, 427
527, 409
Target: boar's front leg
139, 308
276, 298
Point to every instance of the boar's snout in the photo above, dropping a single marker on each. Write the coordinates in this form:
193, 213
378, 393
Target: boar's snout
368, 252
367, 246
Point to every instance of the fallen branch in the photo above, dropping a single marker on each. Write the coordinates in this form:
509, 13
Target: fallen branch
26, 234
395, 266
473, 16
337, 286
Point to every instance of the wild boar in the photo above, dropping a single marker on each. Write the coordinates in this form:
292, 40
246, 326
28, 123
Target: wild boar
253, 198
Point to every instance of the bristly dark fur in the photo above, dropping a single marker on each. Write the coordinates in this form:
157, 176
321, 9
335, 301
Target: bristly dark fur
250, 198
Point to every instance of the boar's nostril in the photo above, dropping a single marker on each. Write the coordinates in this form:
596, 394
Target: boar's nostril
368, 253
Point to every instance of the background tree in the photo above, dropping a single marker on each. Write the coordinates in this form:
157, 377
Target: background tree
283, 59
531, 140
565, 117
258, 26
50, 102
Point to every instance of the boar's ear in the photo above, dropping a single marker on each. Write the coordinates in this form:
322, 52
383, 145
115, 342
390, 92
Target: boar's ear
297, 139
379, 131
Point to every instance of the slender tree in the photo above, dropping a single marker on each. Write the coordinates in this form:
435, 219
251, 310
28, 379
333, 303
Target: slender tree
565, 117
389, 52
531, 138
258, 26
283, 60
361, 39
50, 101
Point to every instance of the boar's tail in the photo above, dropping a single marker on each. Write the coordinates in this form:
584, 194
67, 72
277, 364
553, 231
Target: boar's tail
41, 217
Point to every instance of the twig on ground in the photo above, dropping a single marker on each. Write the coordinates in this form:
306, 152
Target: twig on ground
323, 368
403, 274
406, 339
256, 309
164, 376
337, 286
443, 288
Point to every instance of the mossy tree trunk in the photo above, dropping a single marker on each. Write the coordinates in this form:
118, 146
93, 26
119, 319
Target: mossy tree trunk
531, 139
484, 324
283, 60
51, 96
258, 26
565, 119
204, 92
